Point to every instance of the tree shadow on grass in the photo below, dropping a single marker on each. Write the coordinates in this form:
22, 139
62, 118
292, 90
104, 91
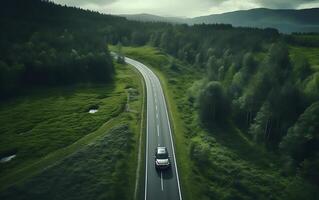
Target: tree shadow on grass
235, 141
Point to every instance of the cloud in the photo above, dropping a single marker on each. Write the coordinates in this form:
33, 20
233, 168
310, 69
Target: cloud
163, 7
186, 8
284, 4
314, 4
231, 5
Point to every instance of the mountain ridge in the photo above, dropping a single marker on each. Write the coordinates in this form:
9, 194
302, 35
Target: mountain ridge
285, 20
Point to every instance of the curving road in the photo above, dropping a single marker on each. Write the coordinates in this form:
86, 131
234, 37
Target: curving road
158, 185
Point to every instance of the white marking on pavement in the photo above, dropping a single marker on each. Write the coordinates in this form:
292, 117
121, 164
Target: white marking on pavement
156, 107
148, 76
162, 185
172, 145
157, 130
157, 115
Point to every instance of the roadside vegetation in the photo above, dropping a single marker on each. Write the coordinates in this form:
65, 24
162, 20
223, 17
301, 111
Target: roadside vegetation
60, 91
40, 123
97, 171
219, 158
243, 102
55, 128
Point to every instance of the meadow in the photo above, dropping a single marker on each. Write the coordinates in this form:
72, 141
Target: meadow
46, 128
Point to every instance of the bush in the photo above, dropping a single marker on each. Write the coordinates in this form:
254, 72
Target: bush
214, 106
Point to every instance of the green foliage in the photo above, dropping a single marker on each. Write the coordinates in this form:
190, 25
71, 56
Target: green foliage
261, 126
302, 68
98, 171
199, 153
262, 87
51, 51
310, 53
301, 142
222, 162
213, 104
38, 124
194, 91
226, 175
173, 66
309, 169
304, 39
212, 68
299, 189
120, 56
312, 87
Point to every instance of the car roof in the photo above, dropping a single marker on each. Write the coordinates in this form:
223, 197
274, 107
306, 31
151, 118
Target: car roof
161, 150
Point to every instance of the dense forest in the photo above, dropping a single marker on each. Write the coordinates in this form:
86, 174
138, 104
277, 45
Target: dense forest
44, 44
250, 79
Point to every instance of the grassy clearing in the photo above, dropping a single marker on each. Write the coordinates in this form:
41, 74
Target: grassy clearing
311, 53
60, 125
221, 164
37, 125
94, 172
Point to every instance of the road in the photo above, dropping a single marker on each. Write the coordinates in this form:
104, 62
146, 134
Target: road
158, 185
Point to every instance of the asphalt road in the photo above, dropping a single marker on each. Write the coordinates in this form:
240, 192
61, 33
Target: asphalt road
158, 185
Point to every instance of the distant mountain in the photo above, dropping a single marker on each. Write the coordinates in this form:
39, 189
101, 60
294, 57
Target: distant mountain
154, 18
286, 21
306, 20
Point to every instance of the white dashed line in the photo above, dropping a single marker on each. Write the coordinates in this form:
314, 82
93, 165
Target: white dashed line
162, 184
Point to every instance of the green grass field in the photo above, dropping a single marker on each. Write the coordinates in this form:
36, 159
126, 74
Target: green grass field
221, 164
311, 53
48, 126
310, 85
94, 172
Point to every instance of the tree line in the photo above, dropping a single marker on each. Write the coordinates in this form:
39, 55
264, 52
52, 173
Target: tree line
251, 81
47, 45
265, 94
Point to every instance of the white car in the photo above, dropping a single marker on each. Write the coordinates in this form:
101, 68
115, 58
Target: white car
162, 158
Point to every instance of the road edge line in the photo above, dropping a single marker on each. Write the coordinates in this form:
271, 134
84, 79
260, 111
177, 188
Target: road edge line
171, 137
142, 125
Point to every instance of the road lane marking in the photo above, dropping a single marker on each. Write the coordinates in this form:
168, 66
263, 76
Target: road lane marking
162, 184
157, 130
146, 162
156, 107
172, 145
149, 74
157, 115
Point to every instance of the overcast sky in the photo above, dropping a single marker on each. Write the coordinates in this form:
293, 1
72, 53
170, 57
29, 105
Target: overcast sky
183, 8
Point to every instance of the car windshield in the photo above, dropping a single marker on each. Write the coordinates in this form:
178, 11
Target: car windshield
162, 156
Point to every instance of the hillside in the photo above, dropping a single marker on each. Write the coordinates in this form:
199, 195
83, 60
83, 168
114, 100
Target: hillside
154, 18
62, 100
243, 105
286, 21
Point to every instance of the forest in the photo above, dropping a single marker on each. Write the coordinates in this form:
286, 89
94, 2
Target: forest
250, 79
41, 49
